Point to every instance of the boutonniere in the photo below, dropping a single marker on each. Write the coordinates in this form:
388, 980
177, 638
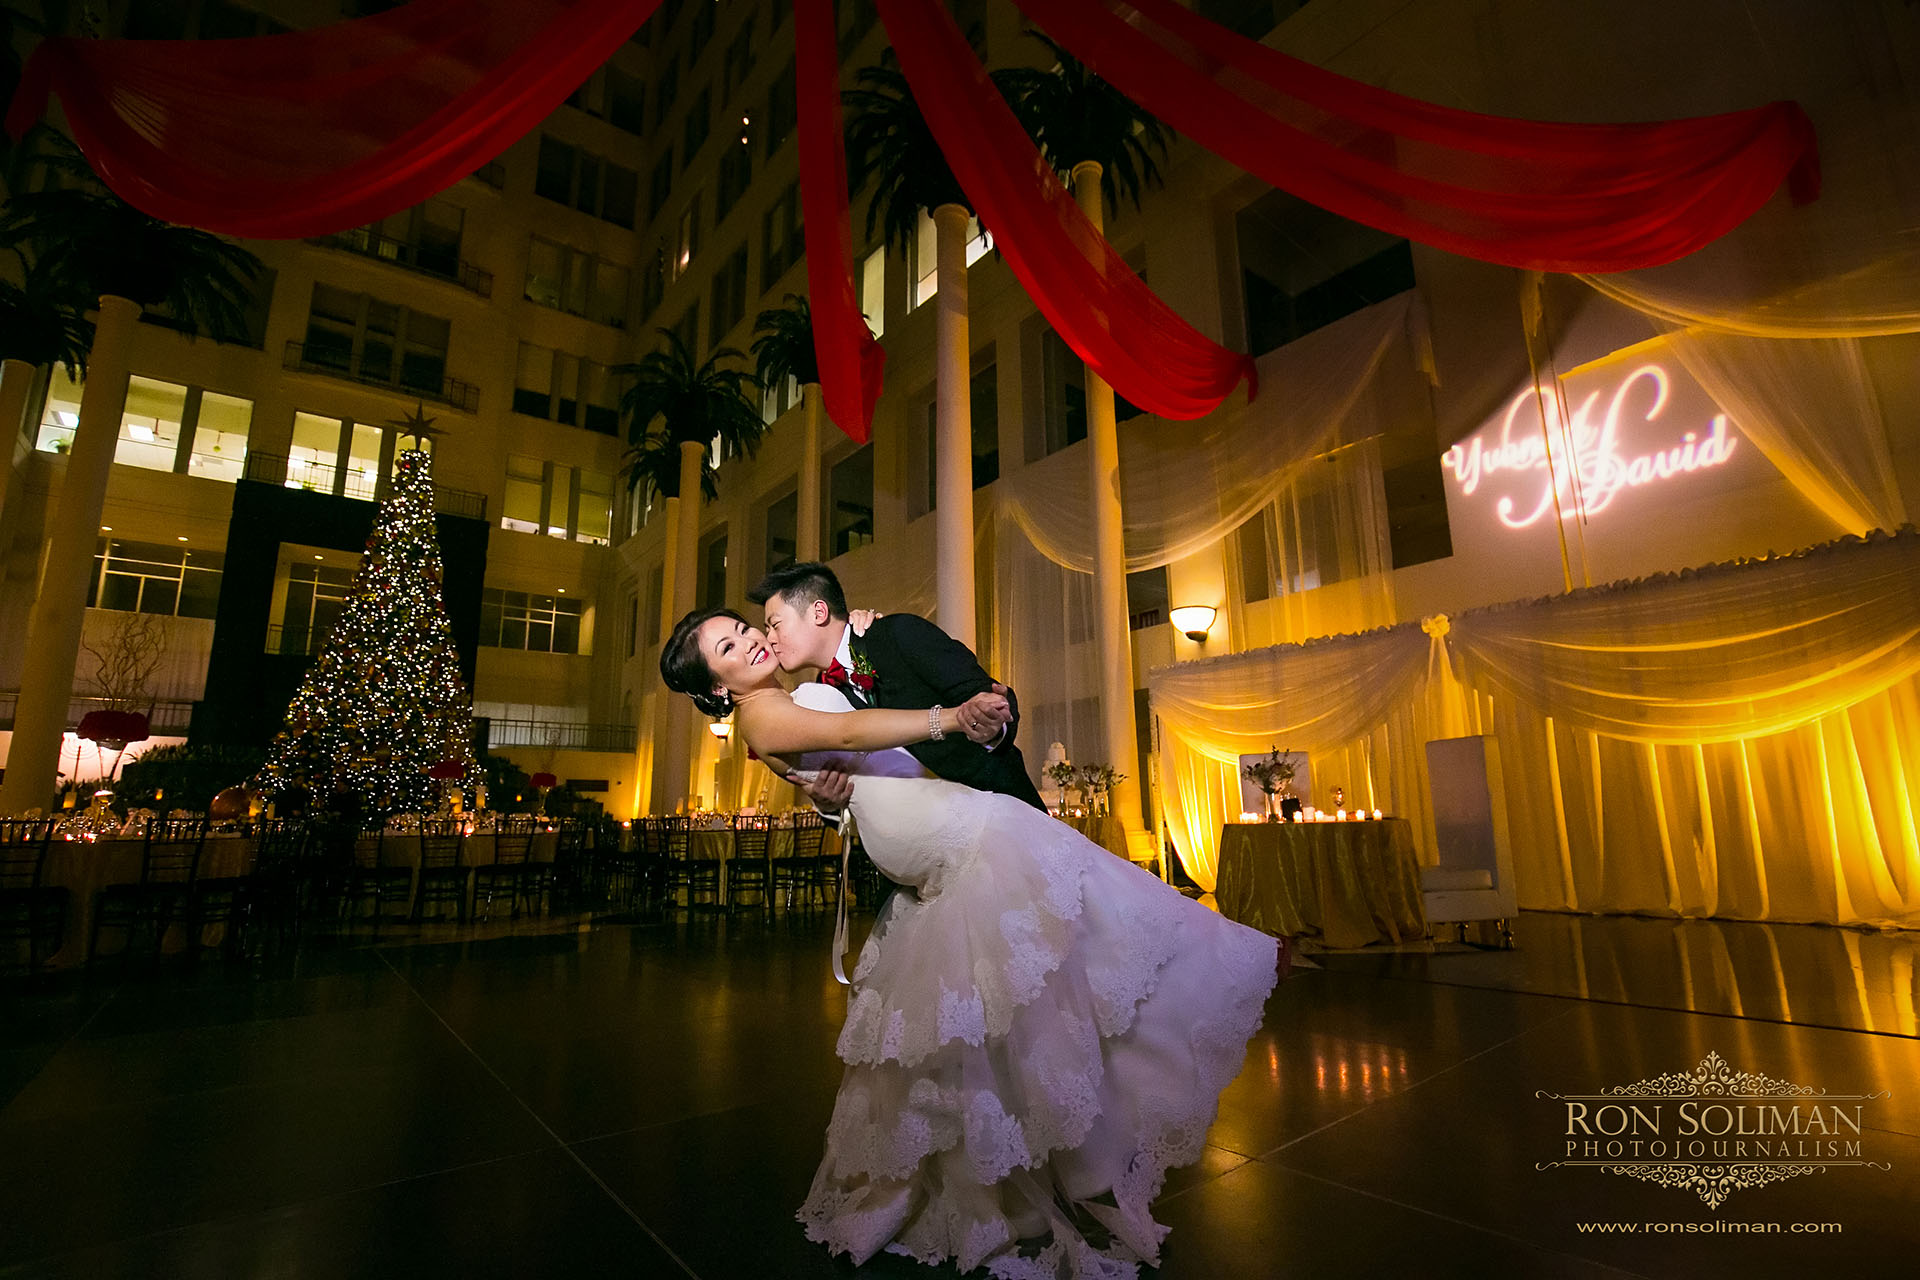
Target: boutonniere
863, 675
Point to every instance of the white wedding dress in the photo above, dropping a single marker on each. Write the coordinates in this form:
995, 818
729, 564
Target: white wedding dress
1037, 1032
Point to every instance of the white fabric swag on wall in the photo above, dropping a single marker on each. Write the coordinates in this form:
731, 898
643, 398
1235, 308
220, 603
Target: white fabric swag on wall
1740, 741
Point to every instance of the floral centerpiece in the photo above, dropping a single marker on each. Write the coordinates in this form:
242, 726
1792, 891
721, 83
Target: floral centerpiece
1273, 776
1098, 781
1063, 776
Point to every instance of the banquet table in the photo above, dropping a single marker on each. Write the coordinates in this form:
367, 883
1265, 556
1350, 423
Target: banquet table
1346, 883
84, 867
716, 843
398, 849
1104, 830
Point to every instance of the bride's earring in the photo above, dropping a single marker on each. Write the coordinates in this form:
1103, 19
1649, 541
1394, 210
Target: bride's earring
726, 701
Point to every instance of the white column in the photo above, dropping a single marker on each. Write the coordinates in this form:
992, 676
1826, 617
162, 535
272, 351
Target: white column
16, 380
676, 745
1113, 638
53, 628
953, 432
807, 535
655, 727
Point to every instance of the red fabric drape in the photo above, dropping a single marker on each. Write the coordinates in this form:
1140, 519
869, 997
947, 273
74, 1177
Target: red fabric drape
851, 361
312, 132
1547, 197
1109, 317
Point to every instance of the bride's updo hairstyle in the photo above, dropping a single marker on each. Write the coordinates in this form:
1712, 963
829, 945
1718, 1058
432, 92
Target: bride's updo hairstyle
684, 668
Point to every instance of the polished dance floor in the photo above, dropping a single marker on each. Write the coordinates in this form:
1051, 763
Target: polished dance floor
648, 1099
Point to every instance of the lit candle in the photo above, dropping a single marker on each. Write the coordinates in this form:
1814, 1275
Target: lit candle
1340, 815
1376, 815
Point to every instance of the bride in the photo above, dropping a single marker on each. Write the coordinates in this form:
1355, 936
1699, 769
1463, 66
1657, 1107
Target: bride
1038, 1031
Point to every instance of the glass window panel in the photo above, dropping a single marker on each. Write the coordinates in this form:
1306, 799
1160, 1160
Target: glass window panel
553, 177
557, 503
566, 370
540, 633
579, 283
622, 198
566, 632
61, 414
587, 198
533, 381
363, 462
150, 424
783, 530
873, 291
315, 450
120, 591
850, 501
610, 284
513, 631
199, 594
220, 437
521, 507
595, 523
543, 272
490, 617
159, 595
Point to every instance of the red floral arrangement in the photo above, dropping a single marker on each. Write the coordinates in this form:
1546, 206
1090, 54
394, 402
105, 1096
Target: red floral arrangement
544, 780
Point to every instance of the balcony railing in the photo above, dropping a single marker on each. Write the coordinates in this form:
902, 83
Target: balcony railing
275, 469
169, 716
338, 364
411, 256
561, 735
296, 642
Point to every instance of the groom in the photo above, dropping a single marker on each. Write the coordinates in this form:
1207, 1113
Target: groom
902, 661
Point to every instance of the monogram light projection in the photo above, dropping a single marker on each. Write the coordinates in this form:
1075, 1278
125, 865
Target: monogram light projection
1609, 443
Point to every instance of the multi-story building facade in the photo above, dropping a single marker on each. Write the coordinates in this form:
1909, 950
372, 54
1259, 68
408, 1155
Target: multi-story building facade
665, 196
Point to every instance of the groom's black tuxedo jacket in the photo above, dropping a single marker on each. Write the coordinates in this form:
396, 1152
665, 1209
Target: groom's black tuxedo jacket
916, 664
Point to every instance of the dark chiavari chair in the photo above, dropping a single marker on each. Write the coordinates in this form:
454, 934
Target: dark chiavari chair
748, 870
512, 860
811, 873
30, 911
652, 869
369, 877
789, 869
169, 861
443, 869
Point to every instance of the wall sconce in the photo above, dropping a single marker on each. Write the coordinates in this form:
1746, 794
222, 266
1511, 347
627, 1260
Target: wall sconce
721, 729
1193, 619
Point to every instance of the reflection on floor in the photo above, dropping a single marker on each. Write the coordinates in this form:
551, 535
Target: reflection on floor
648, 1099
1807, 974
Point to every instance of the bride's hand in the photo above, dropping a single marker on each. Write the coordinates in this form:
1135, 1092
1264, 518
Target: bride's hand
984, 716
861, 619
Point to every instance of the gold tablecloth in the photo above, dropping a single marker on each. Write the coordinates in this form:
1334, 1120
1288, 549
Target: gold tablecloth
717, 844
1104, 831
1346, 883
478, 850
83, 868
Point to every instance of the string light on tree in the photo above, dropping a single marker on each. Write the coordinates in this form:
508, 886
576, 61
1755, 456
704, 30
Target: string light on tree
384, 702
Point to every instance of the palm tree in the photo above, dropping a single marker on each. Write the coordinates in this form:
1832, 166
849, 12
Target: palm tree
784, 349
888, 138
43, 321
103, 247
697, 405
1103, 145
1076, 118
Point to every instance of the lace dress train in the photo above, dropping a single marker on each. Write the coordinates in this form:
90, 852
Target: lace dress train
1037, 1033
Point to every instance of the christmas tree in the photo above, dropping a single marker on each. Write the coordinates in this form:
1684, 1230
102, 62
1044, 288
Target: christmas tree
384, 701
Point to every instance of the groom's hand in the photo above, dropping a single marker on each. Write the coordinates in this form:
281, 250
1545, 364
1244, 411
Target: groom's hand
984, 716
829, 791
860, 619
